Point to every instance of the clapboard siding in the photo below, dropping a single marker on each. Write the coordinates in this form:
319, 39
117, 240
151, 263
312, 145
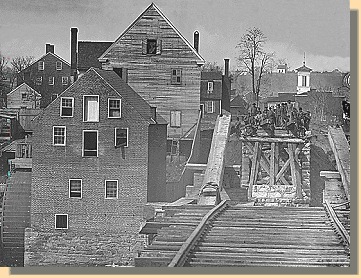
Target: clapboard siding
150, 75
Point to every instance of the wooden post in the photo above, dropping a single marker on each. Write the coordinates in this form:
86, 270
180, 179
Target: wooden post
294, 174
277, 161
272, 164
254, 168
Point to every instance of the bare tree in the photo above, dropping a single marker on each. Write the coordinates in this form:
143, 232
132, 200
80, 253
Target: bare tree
254, 59
211, 66
21, 62
3, 65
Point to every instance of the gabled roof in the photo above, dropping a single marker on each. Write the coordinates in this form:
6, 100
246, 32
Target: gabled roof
129, 95
238, 101
201, 60
304, 68
89, 52
24, 85
49, 53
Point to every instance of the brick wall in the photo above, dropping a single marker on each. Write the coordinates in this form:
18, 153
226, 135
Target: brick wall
93, 217
46, 90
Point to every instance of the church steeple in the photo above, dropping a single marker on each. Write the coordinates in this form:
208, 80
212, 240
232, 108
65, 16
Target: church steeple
303, 77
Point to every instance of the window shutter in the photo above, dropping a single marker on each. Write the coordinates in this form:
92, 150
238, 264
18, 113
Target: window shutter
144, 46
159, 46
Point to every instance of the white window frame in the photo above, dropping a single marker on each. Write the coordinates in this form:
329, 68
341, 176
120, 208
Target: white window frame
72, 107
84, 96
120, 108
210, 87
180, 118
59, 63
105, 188
39, 80
82, 146
81, 188
41, 65
51, 81
64, 78
207, 107
115, 136
67, 221
59, 126
174, 77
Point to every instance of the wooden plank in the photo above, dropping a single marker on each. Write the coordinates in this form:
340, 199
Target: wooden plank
181, 255
272, 139
294, 170
254, 168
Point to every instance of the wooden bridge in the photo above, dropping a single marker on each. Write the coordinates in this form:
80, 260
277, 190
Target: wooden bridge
226, 235
216, 233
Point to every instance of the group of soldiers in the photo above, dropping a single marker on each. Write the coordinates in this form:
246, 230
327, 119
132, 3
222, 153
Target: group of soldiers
283, 115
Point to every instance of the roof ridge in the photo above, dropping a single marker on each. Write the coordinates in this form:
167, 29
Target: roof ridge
166, 19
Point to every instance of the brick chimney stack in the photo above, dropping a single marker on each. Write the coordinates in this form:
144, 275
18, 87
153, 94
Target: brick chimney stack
196, 40
73, 52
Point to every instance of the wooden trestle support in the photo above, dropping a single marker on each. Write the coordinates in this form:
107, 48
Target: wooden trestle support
277, 165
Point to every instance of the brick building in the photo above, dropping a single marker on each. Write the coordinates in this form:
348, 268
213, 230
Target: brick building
98, 156
161, 66
49, 76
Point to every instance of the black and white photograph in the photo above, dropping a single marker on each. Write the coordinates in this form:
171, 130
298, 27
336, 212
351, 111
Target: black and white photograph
175, 133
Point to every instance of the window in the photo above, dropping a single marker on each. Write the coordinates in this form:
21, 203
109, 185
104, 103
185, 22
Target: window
175, 118
41, 65
114, 108
51, 80
209, 107
64, 80
304, 81
176, 76
91, 108
111, 189
75, 188
59, 135
39, 80
66, 107
53, 96
121, 137
90, 143
59, 65
210, 87
61, 221
24, 96
122, 73
151, 46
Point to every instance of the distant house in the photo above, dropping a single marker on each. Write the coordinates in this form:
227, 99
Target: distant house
23, 96
49, 75
238, 107
99, 155
215, 93
161, 66
282, 68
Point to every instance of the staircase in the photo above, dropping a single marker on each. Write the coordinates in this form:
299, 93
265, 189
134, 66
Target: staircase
270, 236
15, 217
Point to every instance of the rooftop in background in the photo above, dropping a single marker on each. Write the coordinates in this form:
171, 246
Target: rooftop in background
89, 52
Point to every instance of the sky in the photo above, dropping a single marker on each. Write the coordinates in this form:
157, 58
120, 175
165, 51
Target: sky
318, 28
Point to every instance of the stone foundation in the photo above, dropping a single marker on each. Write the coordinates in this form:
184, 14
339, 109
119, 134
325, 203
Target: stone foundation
83, 248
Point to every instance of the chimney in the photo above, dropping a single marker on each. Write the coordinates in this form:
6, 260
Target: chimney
226, 67
196, 40
154, 113
73, 52
49, 48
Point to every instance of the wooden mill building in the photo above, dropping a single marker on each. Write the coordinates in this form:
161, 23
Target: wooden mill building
161, 66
